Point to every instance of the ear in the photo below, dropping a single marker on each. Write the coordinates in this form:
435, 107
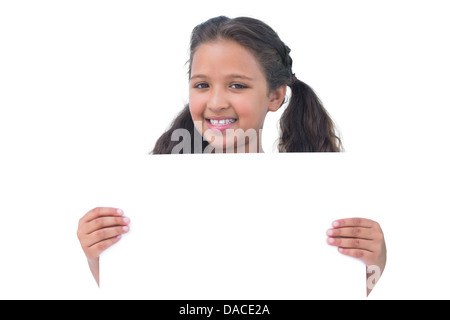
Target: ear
276, 98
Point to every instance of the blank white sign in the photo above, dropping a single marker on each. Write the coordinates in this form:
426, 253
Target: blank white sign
232, 226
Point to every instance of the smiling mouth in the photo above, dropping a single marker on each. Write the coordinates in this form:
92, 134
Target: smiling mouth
221, 122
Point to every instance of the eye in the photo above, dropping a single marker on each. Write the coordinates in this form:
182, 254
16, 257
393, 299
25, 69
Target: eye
202, 85
238, 86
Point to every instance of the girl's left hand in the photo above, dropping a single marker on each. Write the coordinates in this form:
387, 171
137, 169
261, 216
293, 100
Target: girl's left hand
360, 238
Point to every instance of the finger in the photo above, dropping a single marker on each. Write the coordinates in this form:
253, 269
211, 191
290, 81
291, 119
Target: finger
104, 234
101, 212
356, 253
105, 222
353, 222
352, 243
352, 232
101, 246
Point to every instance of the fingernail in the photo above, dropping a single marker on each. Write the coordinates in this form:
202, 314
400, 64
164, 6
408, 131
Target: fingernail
119, 212
341, 250
330, 232
330, 240
126, 228
335, 224
126, 220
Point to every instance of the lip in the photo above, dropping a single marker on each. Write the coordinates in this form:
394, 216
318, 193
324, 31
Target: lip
220, 128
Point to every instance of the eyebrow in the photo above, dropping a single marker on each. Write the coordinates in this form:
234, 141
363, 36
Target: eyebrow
231, 76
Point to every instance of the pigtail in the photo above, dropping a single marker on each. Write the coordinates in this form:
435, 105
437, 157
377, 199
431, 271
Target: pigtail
305, 124
166, 143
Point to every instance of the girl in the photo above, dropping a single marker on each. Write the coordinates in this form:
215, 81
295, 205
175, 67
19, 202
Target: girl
239, 70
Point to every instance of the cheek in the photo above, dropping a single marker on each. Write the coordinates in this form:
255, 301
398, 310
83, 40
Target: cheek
196, 106
251, 113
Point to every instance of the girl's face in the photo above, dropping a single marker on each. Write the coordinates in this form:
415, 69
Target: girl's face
227, 92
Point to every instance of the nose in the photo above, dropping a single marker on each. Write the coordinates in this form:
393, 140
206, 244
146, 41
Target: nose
217, 100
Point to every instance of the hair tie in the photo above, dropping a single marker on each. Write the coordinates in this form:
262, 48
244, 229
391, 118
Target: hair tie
294, 78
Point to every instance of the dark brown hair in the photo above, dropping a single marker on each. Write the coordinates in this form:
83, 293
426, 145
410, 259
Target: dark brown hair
305, 124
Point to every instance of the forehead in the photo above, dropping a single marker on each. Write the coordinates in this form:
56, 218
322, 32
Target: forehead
225, 57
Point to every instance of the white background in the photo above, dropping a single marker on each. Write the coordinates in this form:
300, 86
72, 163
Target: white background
82, 82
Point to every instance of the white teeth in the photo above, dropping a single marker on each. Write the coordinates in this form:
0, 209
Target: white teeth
221, 122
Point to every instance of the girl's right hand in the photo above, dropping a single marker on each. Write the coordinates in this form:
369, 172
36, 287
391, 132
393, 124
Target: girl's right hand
99, 229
